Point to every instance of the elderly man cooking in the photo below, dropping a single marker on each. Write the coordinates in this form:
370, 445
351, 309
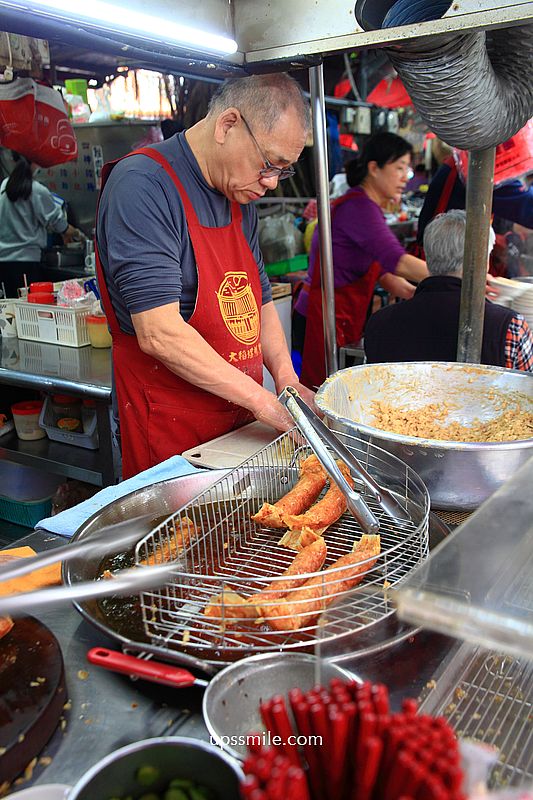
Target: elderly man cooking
182, 278
426, 327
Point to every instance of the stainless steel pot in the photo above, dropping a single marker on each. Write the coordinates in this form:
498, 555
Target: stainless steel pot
173, 757
458, 475
232, 699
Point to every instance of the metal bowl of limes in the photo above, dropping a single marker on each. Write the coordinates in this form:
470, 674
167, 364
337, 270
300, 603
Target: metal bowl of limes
159, 768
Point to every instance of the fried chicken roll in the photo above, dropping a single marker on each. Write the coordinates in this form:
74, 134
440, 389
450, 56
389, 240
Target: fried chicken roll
230, 605
326, 511
302, 607
311, 482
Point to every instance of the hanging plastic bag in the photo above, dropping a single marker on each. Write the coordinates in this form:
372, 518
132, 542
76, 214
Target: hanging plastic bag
279, 239
34, 122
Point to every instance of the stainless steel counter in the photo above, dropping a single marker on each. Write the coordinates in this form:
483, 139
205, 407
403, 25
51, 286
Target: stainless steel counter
49, 367
81, 371
108, 711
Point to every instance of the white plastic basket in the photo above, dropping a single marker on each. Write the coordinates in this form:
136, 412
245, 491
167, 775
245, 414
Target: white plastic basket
52, 324
88, 439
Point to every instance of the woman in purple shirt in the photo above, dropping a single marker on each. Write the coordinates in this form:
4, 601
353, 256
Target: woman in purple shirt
363, 249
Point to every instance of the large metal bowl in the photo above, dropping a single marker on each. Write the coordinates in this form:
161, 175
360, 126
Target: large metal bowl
459, 476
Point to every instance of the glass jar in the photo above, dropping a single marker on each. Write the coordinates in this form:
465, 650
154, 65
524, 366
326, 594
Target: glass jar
64, 406
26, 418
88, 414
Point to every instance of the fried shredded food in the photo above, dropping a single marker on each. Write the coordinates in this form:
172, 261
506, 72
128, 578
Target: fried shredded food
429, 422
184, 532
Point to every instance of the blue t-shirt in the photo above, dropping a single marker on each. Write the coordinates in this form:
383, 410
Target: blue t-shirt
143, 242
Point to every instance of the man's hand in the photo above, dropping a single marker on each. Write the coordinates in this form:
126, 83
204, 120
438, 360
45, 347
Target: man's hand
307, 395
273, 413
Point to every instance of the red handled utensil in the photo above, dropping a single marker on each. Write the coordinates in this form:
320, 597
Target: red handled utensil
153, 671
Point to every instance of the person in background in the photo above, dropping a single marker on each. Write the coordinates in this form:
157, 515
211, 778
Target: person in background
363, 249
426, 328
511, 200
28, 212
182, 279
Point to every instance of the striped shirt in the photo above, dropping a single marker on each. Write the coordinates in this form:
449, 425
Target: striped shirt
519, 345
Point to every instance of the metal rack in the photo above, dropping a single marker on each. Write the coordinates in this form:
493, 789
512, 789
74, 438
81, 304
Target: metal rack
488, 697
231, 551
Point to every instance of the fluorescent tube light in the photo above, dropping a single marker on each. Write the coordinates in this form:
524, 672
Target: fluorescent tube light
123, 19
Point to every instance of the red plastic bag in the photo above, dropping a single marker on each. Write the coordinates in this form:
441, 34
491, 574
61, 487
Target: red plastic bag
34, 122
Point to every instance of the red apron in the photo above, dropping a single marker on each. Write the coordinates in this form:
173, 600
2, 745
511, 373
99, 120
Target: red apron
417, 249
351, 306
160, 413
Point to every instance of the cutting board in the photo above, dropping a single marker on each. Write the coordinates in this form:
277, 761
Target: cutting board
232, 448
32, 694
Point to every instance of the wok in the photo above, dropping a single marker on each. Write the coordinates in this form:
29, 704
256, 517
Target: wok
122, 620
458, 475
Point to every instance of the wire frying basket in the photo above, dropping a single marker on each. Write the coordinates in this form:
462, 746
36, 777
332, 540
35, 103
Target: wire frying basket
224, 554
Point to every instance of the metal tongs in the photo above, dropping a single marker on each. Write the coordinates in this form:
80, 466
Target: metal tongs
318, 435
111, 537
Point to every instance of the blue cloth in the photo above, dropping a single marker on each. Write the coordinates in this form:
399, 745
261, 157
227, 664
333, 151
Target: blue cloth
146, 252
67, 522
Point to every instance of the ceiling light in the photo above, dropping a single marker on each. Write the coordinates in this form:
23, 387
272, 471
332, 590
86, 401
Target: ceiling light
124, 20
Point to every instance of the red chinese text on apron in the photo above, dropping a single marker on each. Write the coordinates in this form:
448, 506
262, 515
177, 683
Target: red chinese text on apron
160, 413
351, 306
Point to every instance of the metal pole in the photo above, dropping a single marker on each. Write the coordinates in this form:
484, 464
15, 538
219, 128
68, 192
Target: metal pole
320, 155
478, 212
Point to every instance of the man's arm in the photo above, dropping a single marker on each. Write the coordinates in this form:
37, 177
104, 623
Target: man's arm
163, 334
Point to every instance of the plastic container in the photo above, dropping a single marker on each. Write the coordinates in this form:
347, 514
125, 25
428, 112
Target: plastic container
66, 406
87, 439
46, 298
41, 286
70, 424
88, 414
26, 418
52, 324
26, 493
294, 264
99, 335
77, 86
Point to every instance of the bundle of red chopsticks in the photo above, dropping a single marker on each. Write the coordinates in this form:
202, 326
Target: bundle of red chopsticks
364, 752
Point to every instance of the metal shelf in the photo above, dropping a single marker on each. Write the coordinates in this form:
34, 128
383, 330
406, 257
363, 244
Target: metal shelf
60, 459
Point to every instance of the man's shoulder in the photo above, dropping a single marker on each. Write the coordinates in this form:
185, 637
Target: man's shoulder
389, 314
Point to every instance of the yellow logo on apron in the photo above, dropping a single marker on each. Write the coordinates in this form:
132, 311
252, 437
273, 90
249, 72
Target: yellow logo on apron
238, 307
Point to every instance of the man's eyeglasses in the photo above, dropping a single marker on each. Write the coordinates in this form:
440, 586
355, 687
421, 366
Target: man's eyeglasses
269, 170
